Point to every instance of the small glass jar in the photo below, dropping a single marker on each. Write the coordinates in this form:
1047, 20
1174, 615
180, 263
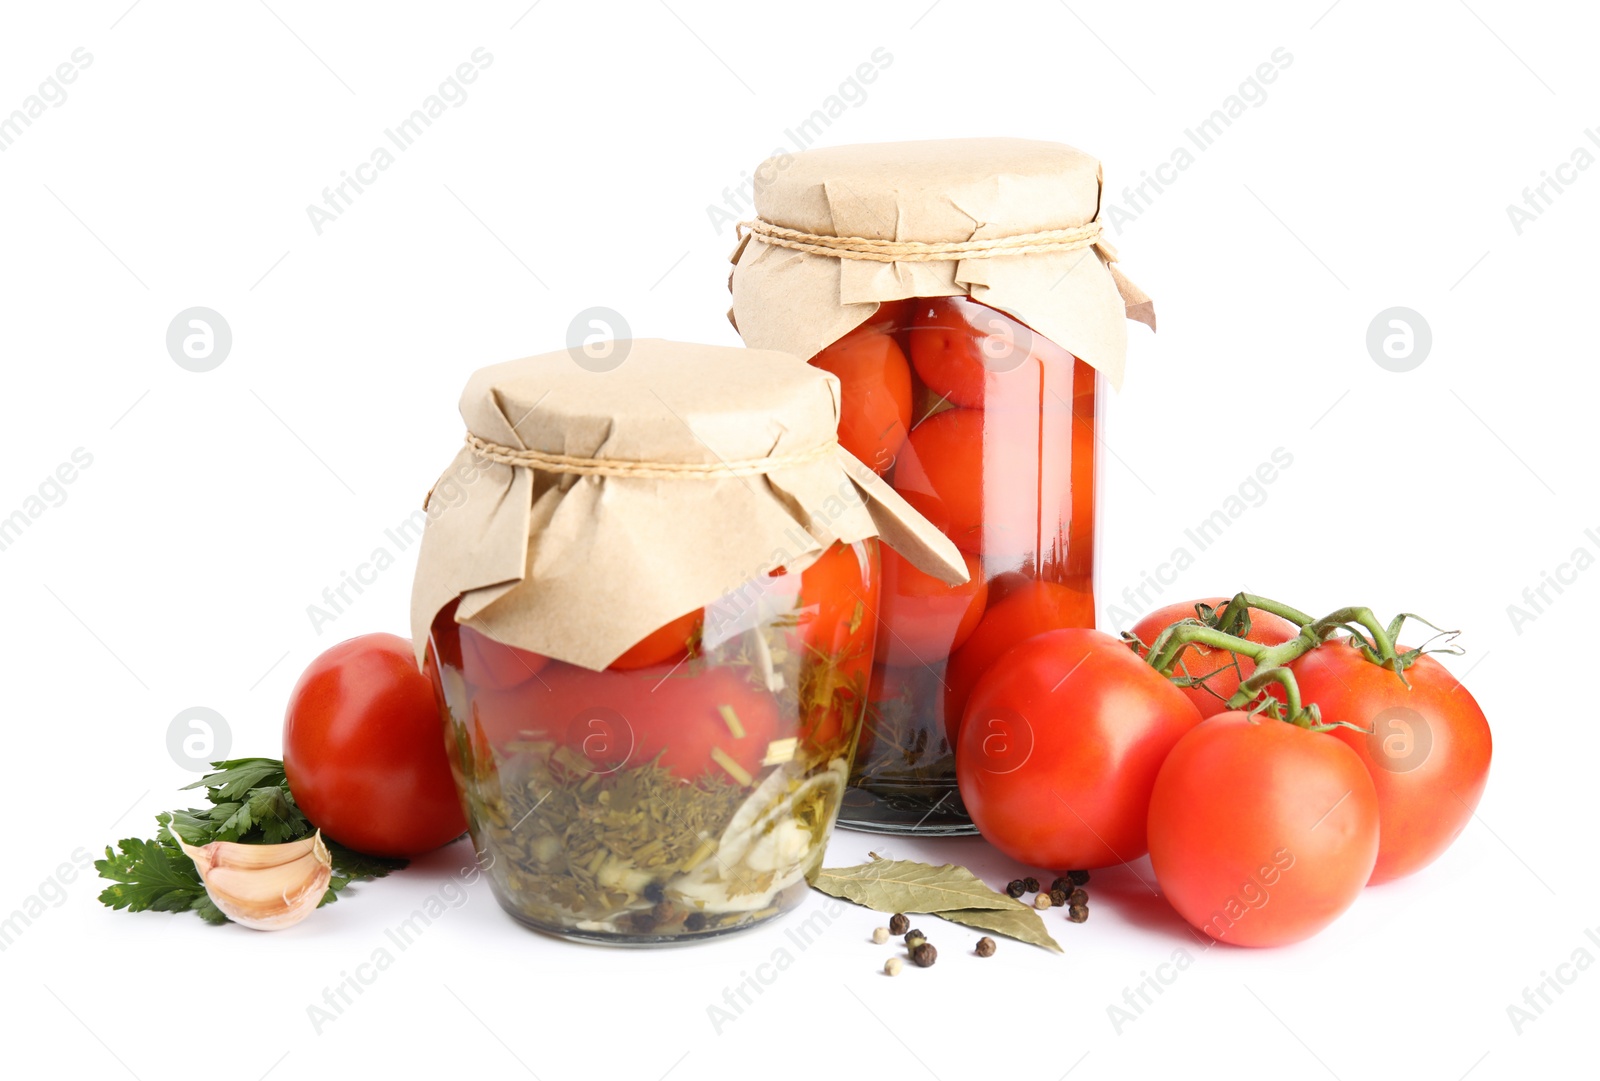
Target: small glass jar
685, 791
645, 595
988, 429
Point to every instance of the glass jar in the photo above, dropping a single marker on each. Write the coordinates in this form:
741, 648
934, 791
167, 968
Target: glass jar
988, 430
685, 791
645, 595
968, 299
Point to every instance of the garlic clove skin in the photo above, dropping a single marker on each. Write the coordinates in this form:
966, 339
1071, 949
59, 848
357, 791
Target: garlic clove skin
264, 887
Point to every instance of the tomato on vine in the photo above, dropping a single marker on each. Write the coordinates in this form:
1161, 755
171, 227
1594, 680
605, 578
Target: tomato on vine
1209, 675
1262, 832
1422, 737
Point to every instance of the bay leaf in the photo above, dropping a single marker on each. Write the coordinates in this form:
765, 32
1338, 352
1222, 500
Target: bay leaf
908, 886
1024, 925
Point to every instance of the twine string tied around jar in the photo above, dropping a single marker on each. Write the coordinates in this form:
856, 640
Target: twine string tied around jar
916, 251
583, 466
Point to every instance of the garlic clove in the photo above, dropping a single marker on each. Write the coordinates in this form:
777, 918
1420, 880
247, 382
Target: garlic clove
264, 887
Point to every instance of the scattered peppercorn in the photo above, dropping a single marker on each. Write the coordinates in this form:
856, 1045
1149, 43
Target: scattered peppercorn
694, 921
1058, 896
1030, 885
915, 939
655, 892
1061, 882
899, 924
1079, 878
925, 955
1079, 896
1078, 913
985, 947
1016, 888
880, 935
1042, 900
892, 966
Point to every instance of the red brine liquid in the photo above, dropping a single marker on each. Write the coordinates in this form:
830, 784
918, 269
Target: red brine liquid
988, 429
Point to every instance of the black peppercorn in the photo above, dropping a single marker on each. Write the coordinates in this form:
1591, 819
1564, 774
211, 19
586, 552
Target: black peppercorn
1061, 882
694, 921
1078, 896
925, 955
1058, 896
914, 939
1079, 878
1016, 888
1030, 884
1078, 913
899, 924
985, 947
655, 893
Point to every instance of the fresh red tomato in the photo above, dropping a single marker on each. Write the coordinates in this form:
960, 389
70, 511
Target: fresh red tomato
495, 665
920, 619
875, 382
664, 644
1027, 610
1425, 742
1199, 662
1262, 833
364, 750
1060, 745
973, 354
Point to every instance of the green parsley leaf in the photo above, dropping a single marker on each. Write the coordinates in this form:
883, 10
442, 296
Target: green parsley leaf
250, 803
150, 876
236, 776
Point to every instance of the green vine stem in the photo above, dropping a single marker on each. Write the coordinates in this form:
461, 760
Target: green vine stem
1308, 717
1294, 712
1240, 605
1379, 648
1376, 642
1172, 641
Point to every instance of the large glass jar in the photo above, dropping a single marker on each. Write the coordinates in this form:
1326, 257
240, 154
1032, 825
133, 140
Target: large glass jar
987, 429
688, 789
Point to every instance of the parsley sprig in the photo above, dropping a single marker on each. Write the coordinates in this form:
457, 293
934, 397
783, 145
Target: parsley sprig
250, 802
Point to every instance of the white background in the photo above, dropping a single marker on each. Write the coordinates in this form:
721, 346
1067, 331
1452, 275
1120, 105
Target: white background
219, 505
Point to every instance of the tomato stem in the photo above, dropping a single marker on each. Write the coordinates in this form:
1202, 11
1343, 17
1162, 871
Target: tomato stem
1379, 650
1211, 628
1241, 604
1294, 712
1172, 641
